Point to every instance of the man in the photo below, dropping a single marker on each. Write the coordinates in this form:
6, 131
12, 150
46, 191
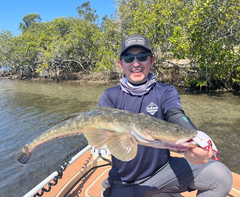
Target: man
153, 171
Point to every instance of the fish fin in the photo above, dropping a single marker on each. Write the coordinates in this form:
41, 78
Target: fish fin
24, 155
67, 118
97, 137
72, 116
123, 146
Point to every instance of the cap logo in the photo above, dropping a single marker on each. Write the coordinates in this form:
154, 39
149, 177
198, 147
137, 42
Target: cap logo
134, 40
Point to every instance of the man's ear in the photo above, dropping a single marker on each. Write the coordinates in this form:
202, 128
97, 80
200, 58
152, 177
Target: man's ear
152, 61
120, 65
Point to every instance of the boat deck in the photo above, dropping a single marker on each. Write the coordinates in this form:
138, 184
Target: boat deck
72, 184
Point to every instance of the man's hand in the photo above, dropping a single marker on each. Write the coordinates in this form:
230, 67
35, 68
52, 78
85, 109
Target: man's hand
198, 155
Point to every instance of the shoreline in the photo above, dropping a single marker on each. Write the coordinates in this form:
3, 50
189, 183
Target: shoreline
113, 79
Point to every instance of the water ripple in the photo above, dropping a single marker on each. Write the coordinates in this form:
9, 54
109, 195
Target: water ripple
29, 108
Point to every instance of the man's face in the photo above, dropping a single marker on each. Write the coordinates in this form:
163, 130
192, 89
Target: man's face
136, 71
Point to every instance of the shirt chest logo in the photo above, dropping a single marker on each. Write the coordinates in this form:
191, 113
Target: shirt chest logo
152, 108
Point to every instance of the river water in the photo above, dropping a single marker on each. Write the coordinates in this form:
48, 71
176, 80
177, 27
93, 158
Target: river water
27, 108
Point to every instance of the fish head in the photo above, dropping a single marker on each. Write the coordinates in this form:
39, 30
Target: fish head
172, 133
162, 134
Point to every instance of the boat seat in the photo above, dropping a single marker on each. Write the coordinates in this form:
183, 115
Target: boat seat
76, 182
95, 189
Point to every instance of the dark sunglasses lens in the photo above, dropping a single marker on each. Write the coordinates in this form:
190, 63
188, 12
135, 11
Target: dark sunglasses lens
129, 58
142, 57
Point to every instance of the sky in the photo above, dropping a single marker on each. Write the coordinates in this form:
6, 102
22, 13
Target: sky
12, 11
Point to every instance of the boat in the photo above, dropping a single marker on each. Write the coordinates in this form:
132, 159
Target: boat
82, 176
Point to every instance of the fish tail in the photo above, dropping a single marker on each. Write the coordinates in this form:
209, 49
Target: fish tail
24, 155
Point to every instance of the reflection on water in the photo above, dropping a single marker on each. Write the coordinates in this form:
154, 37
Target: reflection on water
219, 116
28, 108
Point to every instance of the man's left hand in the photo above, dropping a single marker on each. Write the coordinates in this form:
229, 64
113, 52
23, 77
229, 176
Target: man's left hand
198, 155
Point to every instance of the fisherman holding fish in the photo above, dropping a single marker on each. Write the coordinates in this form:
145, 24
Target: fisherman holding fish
153, 170
139, 121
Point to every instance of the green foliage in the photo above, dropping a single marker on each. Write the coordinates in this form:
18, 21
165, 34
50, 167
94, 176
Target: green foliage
213, 36
205, 32
107, 53
5, 37
62, 44
87, 13
194, 82
29, 20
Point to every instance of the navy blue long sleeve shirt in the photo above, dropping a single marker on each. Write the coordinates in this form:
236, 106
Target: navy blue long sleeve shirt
156, 103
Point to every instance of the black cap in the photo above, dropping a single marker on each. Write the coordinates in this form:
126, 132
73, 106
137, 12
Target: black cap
135, 40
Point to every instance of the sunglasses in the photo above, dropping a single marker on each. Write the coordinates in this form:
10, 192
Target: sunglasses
142, 56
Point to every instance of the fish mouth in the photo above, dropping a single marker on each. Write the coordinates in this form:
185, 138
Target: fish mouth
180, 145
141, 139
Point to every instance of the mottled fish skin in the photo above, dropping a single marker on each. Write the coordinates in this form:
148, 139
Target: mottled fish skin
120, 130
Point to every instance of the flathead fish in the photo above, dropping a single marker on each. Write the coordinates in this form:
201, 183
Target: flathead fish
120, 130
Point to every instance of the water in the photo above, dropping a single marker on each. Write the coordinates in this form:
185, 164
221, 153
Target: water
27, 108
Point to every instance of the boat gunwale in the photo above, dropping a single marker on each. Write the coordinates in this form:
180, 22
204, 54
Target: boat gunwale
48, 179
95, 156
